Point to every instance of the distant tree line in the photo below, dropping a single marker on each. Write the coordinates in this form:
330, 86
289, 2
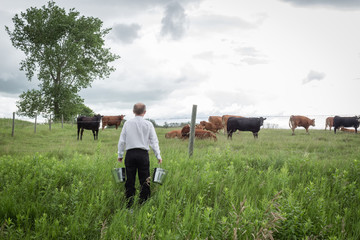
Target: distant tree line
174, 125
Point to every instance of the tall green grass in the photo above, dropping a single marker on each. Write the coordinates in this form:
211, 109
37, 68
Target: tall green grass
278, 186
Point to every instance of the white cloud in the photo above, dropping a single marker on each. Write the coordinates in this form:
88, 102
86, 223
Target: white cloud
174, 21
222, 23
250, 56
126, 33
314, 76
344, 4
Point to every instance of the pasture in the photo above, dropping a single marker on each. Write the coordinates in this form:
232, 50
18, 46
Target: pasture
277, 186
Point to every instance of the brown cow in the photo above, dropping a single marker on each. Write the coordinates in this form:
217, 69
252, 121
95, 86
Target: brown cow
112, 120
203, 134
347, 130
225, 118
185, 131
199, 133
217, 121
173, 134
198, 126
209, 126
329, 122
300, 121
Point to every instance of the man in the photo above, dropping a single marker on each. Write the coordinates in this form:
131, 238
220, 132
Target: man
136, 136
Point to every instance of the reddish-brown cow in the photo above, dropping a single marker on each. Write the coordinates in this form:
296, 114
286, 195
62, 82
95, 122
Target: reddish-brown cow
198, 126
185, 131
329, 122
173, 134
209, 126
217, 121
225, 119
300, 121
199, 133
112, 120
203, 134
347, 130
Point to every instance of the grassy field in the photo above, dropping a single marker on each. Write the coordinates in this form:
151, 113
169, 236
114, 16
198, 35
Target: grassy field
276, 187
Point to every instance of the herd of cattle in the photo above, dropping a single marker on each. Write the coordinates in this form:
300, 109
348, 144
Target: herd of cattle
229, 123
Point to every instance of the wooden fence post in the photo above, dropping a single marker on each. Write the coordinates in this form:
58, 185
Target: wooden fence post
35, 123
50, 123
13, 125
62, 120
192, 130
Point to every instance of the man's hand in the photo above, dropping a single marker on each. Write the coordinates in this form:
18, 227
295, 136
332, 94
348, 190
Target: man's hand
160, 161
120, 159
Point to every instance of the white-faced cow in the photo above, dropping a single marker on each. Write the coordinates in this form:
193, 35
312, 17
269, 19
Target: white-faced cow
112, 120
89, 123
185, 131
244, 124
300, 121
346, 122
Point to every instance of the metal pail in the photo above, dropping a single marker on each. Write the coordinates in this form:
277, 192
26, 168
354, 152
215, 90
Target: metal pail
159, 175
119, 174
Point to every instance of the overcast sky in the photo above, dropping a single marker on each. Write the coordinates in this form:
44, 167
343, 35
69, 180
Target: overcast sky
243, 57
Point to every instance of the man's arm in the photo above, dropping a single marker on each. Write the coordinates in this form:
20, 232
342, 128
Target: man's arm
122, 143
154, 143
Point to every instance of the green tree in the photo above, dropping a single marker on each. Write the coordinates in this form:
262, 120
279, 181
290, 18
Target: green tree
66, 51
84, 110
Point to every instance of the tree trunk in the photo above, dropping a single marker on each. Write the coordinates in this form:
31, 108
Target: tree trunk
57, 96
56, 108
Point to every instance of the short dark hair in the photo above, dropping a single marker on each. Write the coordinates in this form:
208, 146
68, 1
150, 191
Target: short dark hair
139, 108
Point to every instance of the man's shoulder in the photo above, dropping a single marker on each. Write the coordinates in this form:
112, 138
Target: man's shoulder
136, 120
140, 119
147, 122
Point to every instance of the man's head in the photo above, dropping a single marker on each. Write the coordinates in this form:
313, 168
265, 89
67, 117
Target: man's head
139, 109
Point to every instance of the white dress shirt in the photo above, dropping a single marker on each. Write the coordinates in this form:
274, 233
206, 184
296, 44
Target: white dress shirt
138, 133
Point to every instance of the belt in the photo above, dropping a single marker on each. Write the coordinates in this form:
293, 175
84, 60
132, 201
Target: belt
137, 149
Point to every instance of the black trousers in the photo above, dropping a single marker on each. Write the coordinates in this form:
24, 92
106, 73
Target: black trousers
137, 160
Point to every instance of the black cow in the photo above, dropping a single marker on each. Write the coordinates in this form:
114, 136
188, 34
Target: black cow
89, 123
346, 122
244, 124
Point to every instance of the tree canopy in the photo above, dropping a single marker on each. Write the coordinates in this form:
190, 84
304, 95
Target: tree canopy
66, 50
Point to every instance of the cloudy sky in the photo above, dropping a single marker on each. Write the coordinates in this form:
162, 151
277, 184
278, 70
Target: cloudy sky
243, 57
